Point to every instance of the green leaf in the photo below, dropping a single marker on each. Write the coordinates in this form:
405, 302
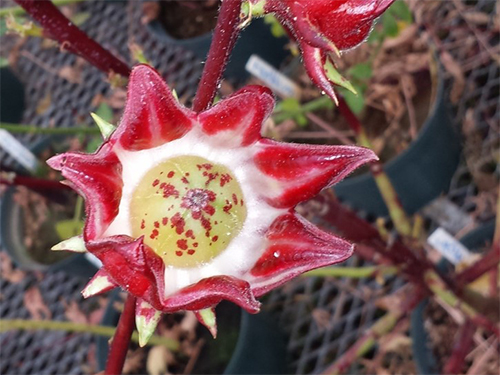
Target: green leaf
276, 29
291, 105
355, 102
69, 228
361, 71
105, 112
93, 145
301, 120
3, 62
401, 10
3, 26
80, 18
390, 25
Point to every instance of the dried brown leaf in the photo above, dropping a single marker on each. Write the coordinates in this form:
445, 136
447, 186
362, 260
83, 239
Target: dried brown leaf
455, 70
133, 362
8, 272
44, 104
322, 318
158, 360
34, 303
74, 314
150, 11
477, 18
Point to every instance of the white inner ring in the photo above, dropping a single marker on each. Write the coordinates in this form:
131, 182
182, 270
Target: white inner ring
243, 250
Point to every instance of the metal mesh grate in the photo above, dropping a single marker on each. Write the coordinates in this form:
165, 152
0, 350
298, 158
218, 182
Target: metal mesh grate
38, 68
42, 352
322, 317
69, 104
312, 347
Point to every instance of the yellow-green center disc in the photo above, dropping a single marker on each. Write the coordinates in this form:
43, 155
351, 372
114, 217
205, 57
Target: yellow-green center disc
188, 210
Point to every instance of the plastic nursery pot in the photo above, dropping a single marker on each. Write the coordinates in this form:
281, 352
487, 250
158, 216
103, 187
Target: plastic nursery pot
419, 174
425, 360
11, 97
245, 343
256, 39
15, 222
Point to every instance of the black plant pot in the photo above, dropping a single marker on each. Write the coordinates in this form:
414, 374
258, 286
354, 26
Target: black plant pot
12, 233
256, 39
259, 347
419, 174
424, 358
11, 97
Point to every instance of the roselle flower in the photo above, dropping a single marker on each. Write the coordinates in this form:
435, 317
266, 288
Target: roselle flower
185, 210
321, 27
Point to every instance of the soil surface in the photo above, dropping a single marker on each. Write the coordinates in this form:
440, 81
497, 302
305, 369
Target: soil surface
199, 353
39, 216
188, 19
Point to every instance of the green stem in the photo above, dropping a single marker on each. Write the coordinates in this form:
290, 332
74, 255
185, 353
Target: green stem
352, 272
18, 11
33, 129
496, 237
438, 287
313, 105
11, 324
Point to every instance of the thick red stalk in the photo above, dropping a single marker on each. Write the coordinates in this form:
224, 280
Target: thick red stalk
223, 41
462, 346
479, 268
58, 27
349, 115
34, 183
121, 339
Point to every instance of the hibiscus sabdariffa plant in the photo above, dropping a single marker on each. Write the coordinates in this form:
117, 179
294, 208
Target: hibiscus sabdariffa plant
187, 209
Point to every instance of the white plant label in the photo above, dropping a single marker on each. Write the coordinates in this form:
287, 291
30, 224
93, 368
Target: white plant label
448, 246
277, 81
18, 151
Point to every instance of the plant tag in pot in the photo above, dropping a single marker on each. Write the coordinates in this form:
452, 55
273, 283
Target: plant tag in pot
277, 81
17, 150
449, 247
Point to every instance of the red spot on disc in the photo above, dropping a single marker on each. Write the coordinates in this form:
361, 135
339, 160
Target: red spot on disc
191, 251
178, 253
170, 174
215, 238
156, 182
178, 222
182, 244
157, 224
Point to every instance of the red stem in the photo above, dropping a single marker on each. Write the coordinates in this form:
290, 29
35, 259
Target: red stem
223, 41
58, 27
462, 346
121, 339
483, 265
35, 183
349, 115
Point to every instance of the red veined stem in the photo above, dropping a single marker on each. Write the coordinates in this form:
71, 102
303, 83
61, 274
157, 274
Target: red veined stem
56, 26
121, 339
462, 347
223, 41
34, 183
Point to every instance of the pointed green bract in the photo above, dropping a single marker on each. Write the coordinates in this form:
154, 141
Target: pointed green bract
208, 319
335, 77
100, 283
105, 127
75, 244
146, 320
